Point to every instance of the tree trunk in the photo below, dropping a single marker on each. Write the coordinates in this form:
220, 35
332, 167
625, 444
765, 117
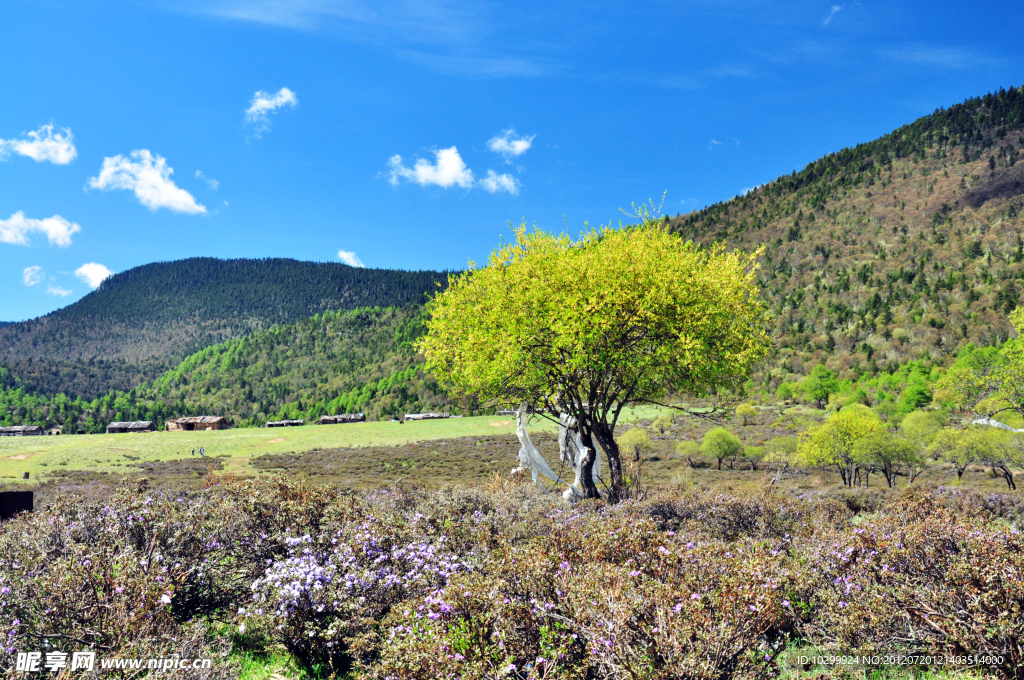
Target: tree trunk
1007, 474
587, 469
719, 463
611, 450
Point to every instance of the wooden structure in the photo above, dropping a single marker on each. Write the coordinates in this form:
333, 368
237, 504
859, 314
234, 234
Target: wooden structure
13, 502
426, 416
192, 423
343, 418
284, 423
55, 430
22, 431
133, 426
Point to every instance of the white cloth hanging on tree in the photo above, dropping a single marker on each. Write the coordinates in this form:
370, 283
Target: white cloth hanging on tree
529, 457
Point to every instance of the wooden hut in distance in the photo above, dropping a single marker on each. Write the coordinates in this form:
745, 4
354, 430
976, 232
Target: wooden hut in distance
192, 423
284, 423
21, 431
343, 418
133, 426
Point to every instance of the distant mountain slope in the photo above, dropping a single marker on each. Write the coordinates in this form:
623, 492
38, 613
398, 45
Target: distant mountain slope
141, 322
904, 248
336, 362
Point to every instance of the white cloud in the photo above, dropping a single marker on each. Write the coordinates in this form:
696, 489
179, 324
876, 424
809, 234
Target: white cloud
57, 229
33, 276
835, 9
350, 258
210, 182
42, 145
57, 290
508, 146
93, 274
450, 169
263, 104
150, 178
494, 183
713, 143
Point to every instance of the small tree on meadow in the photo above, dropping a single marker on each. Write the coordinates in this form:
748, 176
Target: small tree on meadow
746, 413
688, 449
662, 424
962, 448
754, 454
892, 454
721, 444
636, 443
832, 442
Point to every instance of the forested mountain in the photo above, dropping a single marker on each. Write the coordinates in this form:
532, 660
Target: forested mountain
143, 321
908, 247
336, 362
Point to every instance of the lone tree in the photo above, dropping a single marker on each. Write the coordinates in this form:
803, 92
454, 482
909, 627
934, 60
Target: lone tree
721, 444
587, 327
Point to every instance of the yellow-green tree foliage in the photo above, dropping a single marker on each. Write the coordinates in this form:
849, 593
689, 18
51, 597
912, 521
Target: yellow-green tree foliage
832, 442
721, 444
961, 448
616, 317
922, 427
990, 384
635, 442
746, 413
662, 424
895, 455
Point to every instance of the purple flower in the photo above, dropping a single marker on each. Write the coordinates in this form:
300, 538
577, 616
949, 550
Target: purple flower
695, 596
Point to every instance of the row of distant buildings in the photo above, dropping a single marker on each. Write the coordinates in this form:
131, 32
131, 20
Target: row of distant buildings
198, 423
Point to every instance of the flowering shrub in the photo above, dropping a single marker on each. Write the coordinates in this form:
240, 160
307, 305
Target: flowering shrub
112, 578
402, 583
605, 595
919, 579
331, 590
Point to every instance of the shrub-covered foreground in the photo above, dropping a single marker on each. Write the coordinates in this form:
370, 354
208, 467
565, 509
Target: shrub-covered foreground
407, 584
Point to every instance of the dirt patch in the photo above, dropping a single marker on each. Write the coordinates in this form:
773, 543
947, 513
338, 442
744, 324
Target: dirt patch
276, 440
189, 468
23, 456
500, 423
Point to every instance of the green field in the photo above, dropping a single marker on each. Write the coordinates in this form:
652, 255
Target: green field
233, 448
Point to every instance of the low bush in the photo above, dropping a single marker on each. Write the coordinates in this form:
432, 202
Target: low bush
405, 583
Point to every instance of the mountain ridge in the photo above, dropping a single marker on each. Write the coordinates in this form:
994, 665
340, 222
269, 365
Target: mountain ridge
143, 321
904, 248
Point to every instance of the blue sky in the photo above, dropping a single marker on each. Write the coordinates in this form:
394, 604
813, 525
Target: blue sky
408, 134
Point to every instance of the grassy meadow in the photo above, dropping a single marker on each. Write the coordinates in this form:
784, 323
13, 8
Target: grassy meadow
457, 451
233, 449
